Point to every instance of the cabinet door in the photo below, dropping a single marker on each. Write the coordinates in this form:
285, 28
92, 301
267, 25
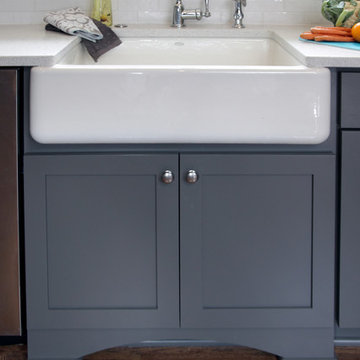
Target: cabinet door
349, 299
9, 241
257, 241
101, 241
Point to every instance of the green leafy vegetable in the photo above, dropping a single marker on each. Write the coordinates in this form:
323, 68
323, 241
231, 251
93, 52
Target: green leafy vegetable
331, 9
351, 19
341, 12
346, 14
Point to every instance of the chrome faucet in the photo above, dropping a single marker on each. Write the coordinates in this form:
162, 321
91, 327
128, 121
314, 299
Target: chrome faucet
238, 14
180, 14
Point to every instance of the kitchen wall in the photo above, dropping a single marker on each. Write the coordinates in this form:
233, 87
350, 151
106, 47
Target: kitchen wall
282, 12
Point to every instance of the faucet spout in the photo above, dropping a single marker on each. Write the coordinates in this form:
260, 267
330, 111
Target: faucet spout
178, 20
180, 14
239, 15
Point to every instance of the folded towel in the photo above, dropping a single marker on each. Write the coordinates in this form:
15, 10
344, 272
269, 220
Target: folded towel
108, 42
74, 22
100, 47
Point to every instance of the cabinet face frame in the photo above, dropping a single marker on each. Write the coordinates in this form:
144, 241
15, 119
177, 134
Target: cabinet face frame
9, 232
319, 312
39, 241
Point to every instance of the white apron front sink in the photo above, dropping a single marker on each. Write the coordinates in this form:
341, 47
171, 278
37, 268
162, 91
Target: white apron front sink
181, 90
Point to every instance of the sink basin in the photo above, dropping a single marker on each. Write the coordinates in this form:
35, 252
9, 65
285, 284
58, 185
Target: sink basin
181, 90
190, 52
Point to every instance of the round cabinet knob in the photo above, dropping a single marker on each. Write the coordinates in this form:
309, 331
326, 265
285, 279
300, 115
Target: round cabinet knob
192, 177
167, 177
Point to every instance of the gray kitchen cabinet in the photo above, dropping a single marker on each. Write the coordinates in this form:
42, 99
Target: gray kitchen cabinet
253, 238
101, 242
349, 245
240, 253
349, 284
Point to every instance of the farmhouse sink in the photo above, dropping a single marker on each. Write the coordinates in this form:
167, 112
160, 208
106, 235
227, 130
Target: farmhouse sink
181, 90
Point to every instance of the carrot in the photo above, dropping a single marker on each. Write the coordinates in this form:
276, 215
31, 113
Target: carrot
333, 28
343, 29
339, 38
329, 31
307, 36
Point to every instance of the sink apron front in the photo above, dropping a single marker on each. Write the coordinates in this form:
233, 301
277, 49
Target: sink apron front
180, 104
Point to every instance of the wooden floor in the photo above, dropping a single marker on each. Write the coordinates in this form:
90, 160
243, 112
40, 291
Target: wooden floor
181, 353
18, 352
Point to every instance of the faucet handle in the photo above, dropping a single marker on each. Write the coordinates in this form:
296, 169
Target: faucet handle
239, 15
207, 12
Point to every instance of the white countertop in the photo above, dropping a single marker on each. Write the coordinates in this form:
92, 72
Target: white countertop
32, 45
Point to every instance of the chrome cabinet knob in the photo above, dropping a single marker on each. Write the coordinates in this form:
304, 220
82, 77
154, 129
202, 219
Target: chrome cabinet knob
192, 177
167, 177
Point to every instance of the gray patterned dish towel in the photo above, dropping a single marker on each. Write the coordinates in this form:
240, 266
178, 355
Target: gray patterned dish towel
74, 22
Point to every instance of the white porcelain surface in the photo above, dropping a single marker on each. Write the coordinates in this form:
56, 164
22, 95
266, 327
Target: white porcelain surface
182, 91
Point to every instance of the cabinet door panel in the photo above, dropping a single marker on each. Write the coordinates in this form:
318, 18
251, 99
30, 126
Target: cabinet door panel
247, 241
102, 242
349, 299
256, 225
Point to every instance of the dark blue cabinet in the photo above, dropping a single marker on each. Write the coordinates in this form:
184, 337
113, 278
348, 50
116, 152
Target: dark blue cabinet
101, 242
235, 248
349, 289
349, 246
257, 241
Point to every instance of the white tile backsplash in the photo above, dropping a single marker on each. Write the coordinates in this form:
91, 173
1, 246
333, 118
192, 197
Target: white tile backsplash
282, 12
46, 5
17, 6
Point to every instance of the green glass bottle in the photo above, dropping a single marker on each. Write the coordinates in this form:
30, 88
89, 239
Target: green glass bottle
102, 11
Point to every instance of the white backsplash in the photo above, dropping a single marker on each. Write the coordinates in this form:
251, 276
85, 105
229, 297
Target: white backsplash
279, 12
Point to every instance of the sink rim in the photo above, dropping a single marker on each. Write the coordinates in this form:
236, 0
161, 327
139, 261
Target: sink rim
215, 68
